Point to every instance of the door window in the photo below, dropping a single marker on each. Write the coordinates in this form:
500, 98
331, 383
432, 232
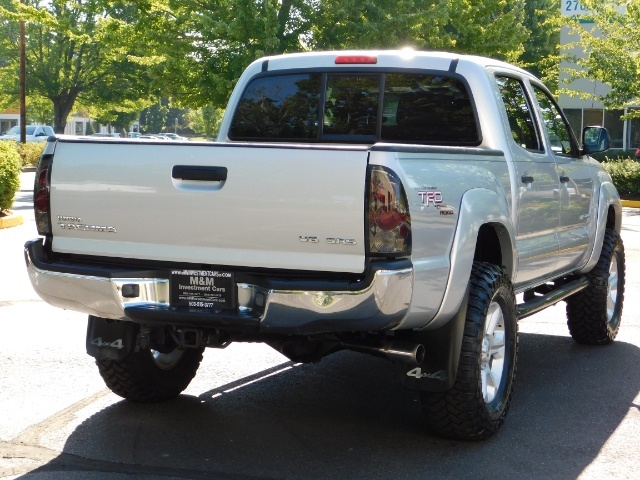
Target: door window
521, 120
557, 127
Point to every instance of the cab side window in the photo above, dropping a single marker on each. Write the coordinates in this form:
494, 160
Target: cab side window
557, 127
518, 108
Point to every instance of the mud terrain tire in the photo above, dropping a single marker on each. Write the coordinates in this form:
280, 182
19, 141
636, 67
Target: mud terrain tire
477, 404
148, 376
594, 314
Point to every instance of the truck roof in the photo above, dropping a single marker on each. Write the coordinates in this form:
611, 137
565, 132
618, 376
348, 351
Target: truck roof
405, 58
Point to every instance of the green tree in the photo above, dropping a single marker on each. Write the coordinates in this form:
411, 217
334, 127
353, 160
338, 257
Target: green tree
493, 28
609, 41
118, 120
212, 41
154, 118
77, 50
542, 48
205, 120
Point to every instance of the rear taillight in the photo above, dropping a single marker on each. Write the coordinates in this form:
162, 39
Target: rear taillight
41, 198
389, 221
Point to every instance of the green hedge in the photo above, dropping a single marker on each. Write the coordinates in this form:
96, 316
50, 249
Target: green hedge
30, 153
10, 168
626, 176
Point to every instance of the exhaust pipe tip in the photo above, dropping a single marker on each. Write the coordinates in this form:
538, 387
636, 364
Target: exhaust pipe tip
403, 352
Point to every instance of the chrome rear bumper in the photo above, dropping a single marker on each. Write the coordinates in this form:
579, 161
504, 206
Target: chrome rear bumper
379, 303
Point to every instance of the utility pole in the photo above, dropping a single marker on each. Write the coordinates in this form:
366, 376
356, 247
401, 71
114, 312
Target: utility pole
23, 83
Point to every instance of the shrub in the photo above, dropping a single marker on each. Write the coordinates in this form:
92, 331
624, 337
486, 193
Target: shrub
10, 168
31, 153
626, 176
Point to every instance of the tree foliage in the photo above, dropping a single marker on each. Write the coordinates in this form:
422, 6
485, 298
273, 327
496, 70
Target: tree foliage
542, 48
610, 41
115, 57
217, 39
75, 51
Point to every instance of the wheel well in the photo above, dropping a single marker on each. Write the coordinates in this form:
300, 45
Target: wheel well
492, 246
611, 218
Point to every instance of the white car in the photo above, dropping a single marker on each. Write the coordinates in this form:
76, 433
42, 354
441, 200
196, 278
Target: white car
35, 133
172, 136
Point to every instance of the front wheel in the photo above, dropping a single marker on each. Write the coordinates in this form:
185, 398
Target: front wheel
476, 406
150, 376
594, 314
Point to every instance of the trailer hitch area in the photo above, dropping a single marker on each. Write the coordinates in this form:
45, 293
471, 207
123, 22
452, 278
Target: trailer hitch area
189, 338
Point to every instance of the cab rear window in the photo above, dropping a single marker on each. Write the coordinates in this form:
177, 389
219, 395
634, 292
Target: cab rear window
357, 108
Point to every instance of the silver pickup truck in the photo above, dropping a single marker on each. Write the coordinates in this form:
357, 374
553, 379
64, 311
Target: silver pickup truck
404, 204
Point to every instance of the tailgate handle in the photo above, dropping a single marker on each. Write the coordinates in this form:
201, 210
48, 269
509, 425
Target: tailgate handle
195, 172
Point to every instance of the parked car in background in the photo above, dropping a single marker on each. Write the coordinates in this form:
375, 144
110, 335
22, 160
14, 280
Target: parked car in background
152, 137
172, 136
105, 134
134, 135
35, 133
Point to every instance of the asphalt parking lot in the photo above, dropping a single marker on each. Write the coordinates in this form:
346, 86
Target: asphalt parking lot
252, 414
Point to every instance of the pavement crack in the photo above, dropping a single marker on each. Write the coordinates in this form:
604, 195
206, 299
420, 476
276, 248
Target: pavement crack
34, 433
52, 461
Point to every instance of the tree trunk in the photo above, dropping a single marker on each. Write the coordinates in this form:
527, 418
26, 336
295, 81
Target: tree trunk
62, 106
283, 18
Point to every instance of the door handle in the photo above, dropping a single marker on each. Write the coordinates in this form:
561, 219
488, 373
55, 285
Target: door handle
527, 179
195, 172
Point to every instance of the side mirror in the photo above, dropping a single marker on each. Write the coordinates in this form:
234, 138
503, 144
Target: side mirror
595, 139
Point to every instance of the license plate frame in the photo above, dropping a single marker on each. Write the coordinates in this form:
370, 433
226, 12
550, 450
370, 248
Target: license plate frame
202, 289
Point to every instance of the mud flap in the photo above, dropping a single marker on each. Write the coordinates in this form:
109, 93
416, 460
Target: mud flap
110, 339
437, 373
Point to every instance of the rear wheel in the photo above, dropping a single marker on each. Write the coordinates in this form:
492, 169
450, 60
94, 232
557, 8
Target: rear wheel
149, 375
594, 314
476, 406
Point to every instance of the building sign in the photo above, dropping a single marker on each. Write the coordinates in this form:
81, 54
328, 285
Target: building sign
571, 8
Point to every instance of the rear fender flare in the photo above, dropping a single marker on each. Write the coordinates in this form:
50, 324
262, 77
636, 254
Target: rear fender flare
478, 207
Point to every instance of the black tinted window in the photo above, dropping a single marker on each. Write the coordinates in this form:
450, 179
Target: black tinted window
417, 108
428, 109
351, 105
281, 107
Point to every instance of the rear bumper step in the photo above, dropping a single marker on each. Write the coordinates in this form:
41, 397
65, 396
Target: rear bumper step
378, 304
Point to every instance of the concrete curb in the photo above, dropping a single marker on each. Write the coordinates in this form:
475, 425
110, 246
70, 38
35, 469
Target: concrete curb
631, 203
11, 220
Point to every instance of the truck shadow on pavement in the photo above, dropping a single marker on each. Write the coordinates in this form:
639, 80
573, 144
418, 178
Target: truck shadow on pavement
348, 417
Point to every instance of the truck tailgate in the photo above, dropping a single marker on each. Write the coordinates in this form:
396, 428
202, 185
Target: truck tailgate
279, 207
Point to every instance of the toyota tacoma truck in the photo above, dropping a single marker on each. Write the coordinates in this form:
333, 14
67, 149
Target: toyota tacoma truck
410, 205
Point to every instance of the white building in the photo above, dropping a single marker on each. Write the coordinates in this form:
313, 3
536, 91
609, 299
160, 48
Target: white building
9, 118
625, 134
